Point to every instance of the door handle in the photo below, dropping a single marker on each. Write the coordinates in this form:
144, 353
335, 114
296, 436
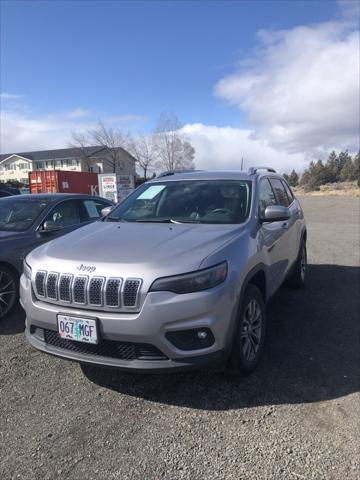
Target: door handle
285, 225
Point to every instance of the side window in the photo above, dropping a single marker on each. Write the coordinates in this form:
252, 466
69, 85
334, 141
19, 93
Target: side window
266, 196
92, 209
65, 213
280, 192
288, 191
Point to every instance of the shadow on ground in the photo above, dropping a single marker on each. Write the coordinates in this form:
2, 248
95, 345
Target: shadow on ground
312, 354
13, 324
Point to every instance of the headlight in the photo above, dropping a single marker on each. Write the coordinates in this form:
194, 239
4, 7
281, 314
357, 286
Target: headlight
27, 270
192, 282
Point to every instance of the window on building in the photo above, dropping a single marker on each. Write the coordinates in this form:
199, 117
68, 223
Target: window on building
39, 165
23, 166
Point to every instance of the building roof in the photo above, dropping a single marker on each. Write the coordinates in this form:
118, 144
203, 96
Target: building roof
57, 153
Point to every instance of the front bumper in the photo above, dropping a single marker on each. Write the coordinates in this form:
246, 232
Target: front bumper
150, 366
162, 312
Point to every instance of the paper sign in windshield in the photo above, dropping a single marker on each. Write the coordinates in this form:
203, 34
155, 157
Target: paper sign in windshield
151, 192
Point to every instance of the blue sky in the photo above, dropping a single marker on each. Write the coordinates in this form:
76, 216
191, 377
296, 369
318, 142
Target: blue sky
136, 58
126, 62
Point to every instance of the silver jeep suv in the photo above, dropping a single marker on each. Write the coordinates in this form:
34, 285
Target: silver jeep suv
177, 275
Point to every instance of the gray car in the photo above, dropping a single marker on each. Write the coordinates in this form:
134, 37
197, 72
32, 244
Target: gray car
176, 276
27, 221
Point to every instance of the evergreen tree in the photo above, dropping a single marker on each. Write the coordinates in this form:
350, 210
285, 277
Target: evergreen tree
348, 170
305, 177
357, 168
332, 167
293, 179
317, 174
343, 157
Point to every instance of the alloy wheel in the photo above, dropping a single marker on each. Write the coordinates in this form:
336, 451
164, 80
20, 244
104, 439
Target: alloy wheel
251, 330
303, 262
7, 292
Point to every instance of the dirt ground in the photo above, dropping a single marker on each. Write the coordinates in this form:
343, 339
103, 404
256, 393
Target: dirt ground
296, 417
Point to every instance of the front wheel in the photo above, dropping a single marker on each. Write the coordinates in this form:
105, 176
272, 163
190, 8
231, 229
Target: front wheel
249, 338
297, 278
9, 291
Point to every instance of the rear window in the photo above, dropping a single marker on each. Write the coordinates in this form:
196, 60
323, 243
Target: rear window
280, 192
288, 191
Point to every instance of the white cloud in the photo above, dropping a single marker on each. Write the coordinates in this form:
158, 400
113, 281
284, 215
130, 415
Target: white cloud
23, 132
223, 148
127, 118
10, 96
300, 90
78, 113
20, 130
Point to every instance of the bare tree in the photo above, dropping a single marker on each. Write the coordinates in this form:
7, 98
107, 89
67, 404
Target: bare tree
84, 150
173, 149
112, 141
143, 148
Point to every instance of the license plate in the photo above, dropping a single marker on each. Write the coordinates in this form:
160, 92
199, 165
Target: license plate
78, 329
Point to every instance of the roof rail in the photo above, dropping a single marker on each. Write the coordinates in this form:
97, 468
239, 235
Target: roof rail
253, 170
174, 172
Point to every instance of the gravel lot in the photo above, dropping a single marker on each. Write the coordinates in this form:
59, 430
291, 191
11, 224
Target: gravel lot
297, 417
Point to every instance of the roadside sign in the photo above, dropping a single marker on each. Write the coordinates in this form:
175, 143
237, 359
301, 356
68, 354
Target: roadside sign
115, 187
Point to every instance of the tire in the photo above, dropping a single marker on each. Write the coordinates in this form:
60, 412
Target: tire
9, 291
298, 276
248, 343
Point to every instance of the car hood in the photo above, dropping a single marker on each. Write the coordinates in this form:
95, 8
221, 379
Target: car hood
4, 235
131, 248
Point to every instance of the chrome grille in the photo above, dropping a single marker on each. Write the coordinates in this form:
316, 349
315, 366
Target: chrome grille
40, 283
112, 292
105, 293
79, 290
96, 291
65, 287
51, 284
131, 290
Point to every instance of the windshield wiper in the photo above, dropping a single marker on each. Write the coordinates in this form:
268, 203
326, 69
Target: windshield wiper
114, 219
153, 220
164, 220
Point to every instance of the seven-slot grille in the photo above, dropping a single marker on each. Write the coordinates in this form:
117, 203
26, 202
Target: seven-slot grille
92, 292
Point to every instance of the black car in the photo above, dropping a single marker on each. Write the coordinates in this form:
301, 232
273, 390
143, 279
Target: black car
6, 191
27, 221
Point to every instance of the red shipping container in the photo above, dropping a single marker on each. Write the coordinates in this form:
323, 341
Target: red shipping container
63, 181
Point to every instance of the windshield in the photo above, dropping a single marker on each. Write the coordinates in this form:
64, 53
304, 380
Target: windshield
17, 215
190, 201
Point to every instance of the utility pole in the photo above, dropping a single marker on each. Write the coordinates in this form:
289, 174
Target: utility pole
242, 163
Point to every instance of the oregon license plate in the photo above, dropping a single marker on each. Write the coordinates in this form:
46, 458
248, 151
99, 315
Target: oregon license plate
78, 329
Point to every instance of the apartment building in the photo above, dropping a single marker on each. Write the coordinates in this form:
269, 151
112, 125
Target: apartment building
16, 166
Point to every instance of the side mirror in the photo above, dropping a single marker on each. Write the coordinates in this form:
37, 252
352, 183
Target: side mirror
105, 211
276, 213
50, 226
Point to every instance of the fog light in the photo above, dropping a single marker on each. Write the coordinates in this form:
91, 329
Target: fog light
202, 334
37, 332
193, 339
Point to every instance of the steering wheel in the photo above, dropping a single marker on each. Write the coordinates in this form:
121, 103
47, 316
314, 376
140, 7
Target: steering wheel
225, 211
